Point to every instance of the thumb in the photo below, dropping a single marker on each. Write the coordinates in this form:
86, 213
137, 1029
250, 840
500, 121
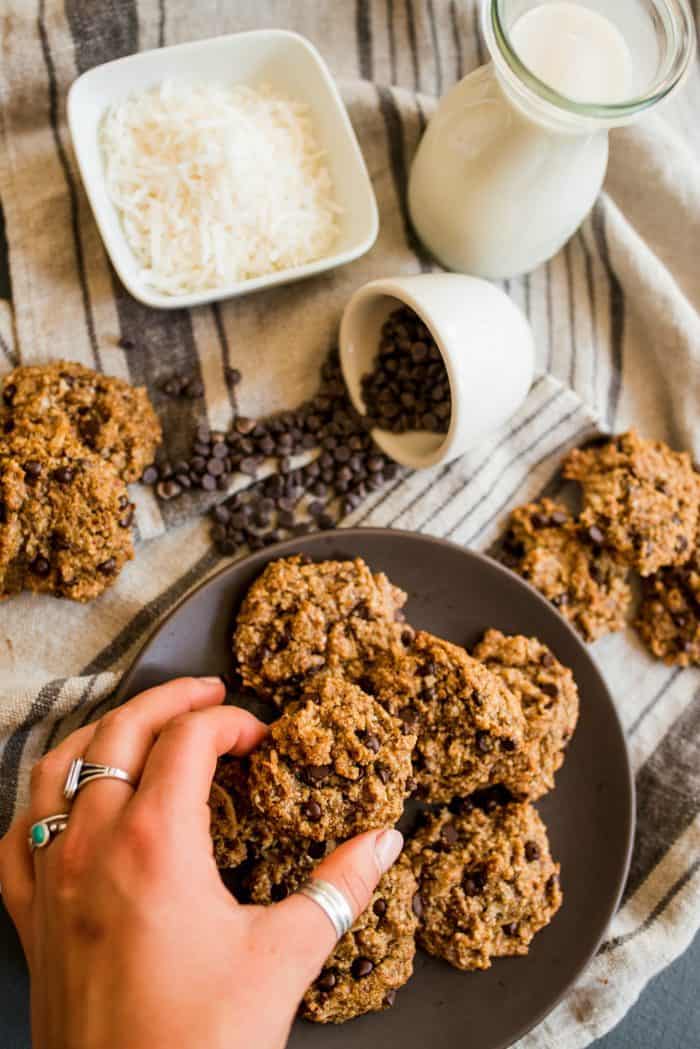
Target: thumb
354, 869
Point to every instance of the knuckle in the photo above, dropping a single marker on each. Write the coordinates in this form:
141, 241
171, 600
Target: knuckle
183, 724
356, 886
117, 719
142, 830
45, 770
69, 866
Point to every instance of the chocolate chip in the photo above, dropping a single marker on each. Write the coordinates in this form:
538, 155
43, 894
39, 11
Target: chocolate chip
409, 717
32, 469
215, 467
127, 519
244, 425
312, 811
549, 688
150, 475
64, 474
168, 489
316, 774
107, 567
361, 967
532, 851
326, 981
40, 566
126, 344
449, 834
483, 742
233, 375
390, 998
384, 773
278, 893
372, 743
681, 544
316, 850
511, 929
559, 517
9, 393
547, 659
508, 745
474, 881
552, 883
249, 466
595, 535
380, 907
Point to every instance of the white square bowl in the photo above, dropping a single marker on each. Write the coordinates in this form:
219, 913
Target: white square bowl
287, 62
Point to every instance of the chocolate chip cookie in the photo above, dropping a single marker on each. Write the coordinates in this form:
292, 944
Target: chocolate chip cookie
567, 562
64, 513
486, 883
549, 700
371, 961
229, 848
641, 499
300, 617
237, 829
112, 418
332, 766
668, 620
281, 868
465, 718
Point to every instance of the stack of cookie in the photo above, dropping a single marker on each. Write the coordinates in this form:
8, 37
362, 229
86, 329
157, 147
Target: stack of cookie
374, 713
70, 441
641, 513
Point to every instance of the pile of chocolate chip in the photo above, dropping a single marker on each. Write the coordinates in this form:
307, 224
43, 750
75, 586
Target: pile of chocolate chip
296, 499
408, 388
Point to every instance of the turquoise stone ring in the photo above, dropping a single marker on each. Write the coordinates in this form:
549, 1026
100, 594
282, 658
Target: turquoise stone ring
41, 833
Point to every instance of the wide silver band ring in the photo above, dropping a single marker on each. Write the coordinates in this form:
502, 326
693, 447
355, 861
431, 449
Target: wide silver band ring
332, 902
44, 831
82, 772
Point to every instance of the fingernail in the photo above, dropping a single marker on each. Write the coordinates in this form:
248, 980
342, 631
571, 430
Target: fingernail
211, 680
387, 848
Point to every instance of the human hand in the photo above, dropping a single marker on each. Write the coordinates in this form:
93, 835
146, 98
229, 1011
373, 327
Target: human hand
132, 940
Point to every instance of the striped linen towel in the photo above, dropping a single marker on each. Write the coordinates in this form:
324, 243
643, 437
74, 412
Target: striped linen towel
618, 336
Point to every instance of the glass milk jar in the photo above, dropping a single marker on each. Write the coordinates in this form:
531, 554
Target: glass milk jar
515, 154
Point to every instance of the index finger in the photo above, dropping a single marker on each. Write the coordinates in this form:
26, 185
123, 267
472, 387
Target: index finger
179, 769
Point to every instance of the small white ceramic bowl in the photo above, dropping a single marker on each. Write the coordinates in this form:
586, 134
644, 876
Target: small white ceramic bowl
485, 341
286, 61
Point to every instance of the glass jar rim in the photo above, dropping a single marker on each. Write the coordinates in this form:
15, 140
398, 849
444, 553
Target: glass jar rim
679, 24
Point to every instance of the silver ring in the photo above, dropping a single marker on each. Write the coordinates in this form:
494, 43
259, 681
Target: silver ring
82, 772
44, 831
332, 902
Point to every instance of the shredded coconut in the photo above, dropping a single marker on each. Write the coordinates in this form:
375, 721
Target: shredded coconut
217, 184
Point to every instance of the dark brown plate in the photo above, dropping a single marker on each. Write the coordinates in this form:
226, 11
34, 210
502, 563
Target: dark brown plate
457, 594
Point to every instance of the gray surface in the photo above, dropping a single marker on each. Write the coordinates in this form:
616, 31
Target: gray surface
667, 1015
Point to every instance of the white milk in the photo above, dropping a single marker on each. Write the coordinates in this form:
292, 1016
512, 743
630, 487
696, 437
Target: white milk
493, 190
578, 52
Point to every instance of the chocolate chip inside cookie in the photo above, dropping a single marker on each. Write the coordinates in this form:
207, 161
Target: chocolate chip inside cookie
465, 718
668, 620
61, 513
487, 883
549, 700
108, 415
641, 498
371, 961
567, 562
300, 617
332, 766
